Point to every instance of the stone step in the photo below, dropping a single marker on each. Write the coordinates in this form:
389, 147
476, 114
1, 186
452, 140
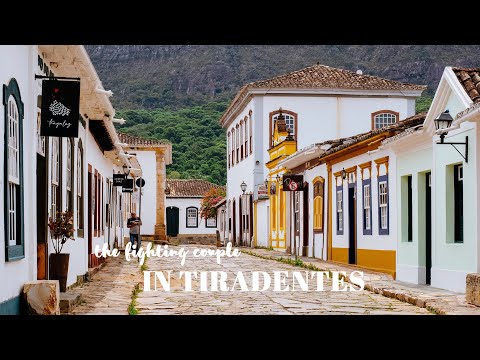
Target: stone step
68, 301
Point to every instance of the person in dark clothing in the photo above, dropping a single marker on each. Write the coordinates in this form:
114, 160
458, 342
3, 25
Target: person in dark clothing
133, 223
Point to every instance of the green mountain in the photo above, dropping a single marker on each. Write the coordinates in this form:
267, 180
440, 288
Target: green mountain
178, 92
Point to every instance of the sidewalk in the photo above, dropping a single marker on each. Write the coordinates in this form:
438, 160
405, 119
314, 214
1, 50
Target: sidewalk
440, 301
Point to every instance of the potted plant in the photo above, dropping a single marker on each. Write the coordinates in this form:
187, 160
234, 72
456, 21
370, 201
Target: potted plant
61, 230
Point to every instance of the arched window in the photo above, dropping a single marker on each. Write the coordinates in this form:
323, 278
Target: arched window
290, 121
13, 162
383, 118
80, 188
55, 205
318, 194
70, 172
192, 217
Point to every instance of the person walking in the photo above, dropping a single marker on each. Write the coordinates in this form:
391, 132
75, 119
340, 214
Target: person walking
133, 223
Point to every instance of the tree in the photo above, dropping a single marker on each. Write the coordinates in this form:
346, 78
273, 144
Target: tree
211, 198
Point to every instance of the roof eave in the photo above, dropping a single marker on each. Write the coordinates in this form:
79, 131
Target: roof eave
247, 92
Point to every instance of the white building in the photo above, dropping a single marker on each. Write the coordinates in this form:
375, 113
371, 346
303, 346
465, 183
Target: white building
183, 203
151, 157
347, 213
438, 189
40, 176
319, 103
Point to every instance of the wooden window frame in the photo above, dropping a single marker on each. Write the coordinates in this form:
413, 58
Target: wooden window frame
237, 144
318, 194
229, 146
14, 251
458, 204
211, 227
80, 190
271, 128
233, 145
367, 230
391, 112
186, 217
241, 134
383, 231
250, 129
245, 122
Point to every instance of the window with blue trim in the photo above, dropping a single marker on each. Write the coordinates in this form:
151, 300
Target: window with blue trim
383, 220
367, 207
339, 210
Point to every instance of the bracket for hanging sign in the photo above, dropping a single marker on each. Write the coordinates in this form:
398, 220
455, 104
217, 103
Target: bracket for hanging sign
56, 77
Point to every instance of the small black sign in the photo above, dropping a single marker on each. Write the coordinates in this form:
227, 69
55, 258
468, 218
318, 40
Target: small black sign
140, 182
60, 108
128, 185
293, 183
118, 179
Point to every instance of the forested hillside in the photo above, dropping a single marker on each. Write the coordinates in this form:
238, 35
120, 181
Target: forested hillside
178, 92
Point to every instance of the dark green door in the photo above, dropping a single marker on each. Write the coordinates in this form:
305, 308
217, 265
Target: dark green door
172, 221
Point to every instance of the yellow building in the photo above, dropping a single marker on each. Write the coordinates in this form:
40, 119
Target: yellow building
283, 145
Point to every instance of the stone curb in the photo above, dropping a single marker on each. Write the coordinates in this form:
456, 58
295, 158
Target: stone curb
434, 305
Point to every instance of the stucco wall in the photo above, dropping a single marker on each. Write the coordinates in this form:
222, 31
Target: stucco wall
452, 261
147, 161
411, 255
19, 62
183, 204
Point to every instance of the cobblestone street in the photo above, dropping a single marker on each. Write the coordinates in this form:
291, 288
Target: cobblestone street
112, 286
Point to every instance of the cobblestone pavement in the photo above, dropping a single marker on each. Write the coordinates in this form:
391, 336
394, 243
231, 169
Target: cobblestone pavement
437, 300
177, 301
111, 290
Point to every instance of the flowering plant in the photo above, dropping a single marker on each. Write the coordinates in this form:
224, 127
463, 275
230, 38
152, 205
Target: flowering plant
211, 198
61, 229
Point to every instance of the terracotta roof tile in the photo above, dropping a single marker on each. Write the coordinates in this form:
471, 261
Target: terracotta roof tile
470, 80
189, 187
139, 141
393, 130
321, 77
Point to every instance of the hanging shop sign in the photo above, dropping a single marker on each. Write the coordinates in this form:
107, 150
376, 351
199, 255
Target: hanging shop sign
118, 179
293, 183
127, 185
60, 108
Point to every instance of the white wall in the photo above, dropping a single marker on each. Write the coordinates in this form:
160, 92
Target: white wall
245, 170
411, 255
323, 118
320, 118
19, 62
374, 241
453, 261
262, 223
182, 204
147, 161
318, 241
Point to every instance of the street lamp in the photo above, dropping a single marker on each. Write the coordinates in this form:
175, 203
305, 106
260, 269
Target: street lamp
344, 174
266, 182
243, 186
126, 170
444, 121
